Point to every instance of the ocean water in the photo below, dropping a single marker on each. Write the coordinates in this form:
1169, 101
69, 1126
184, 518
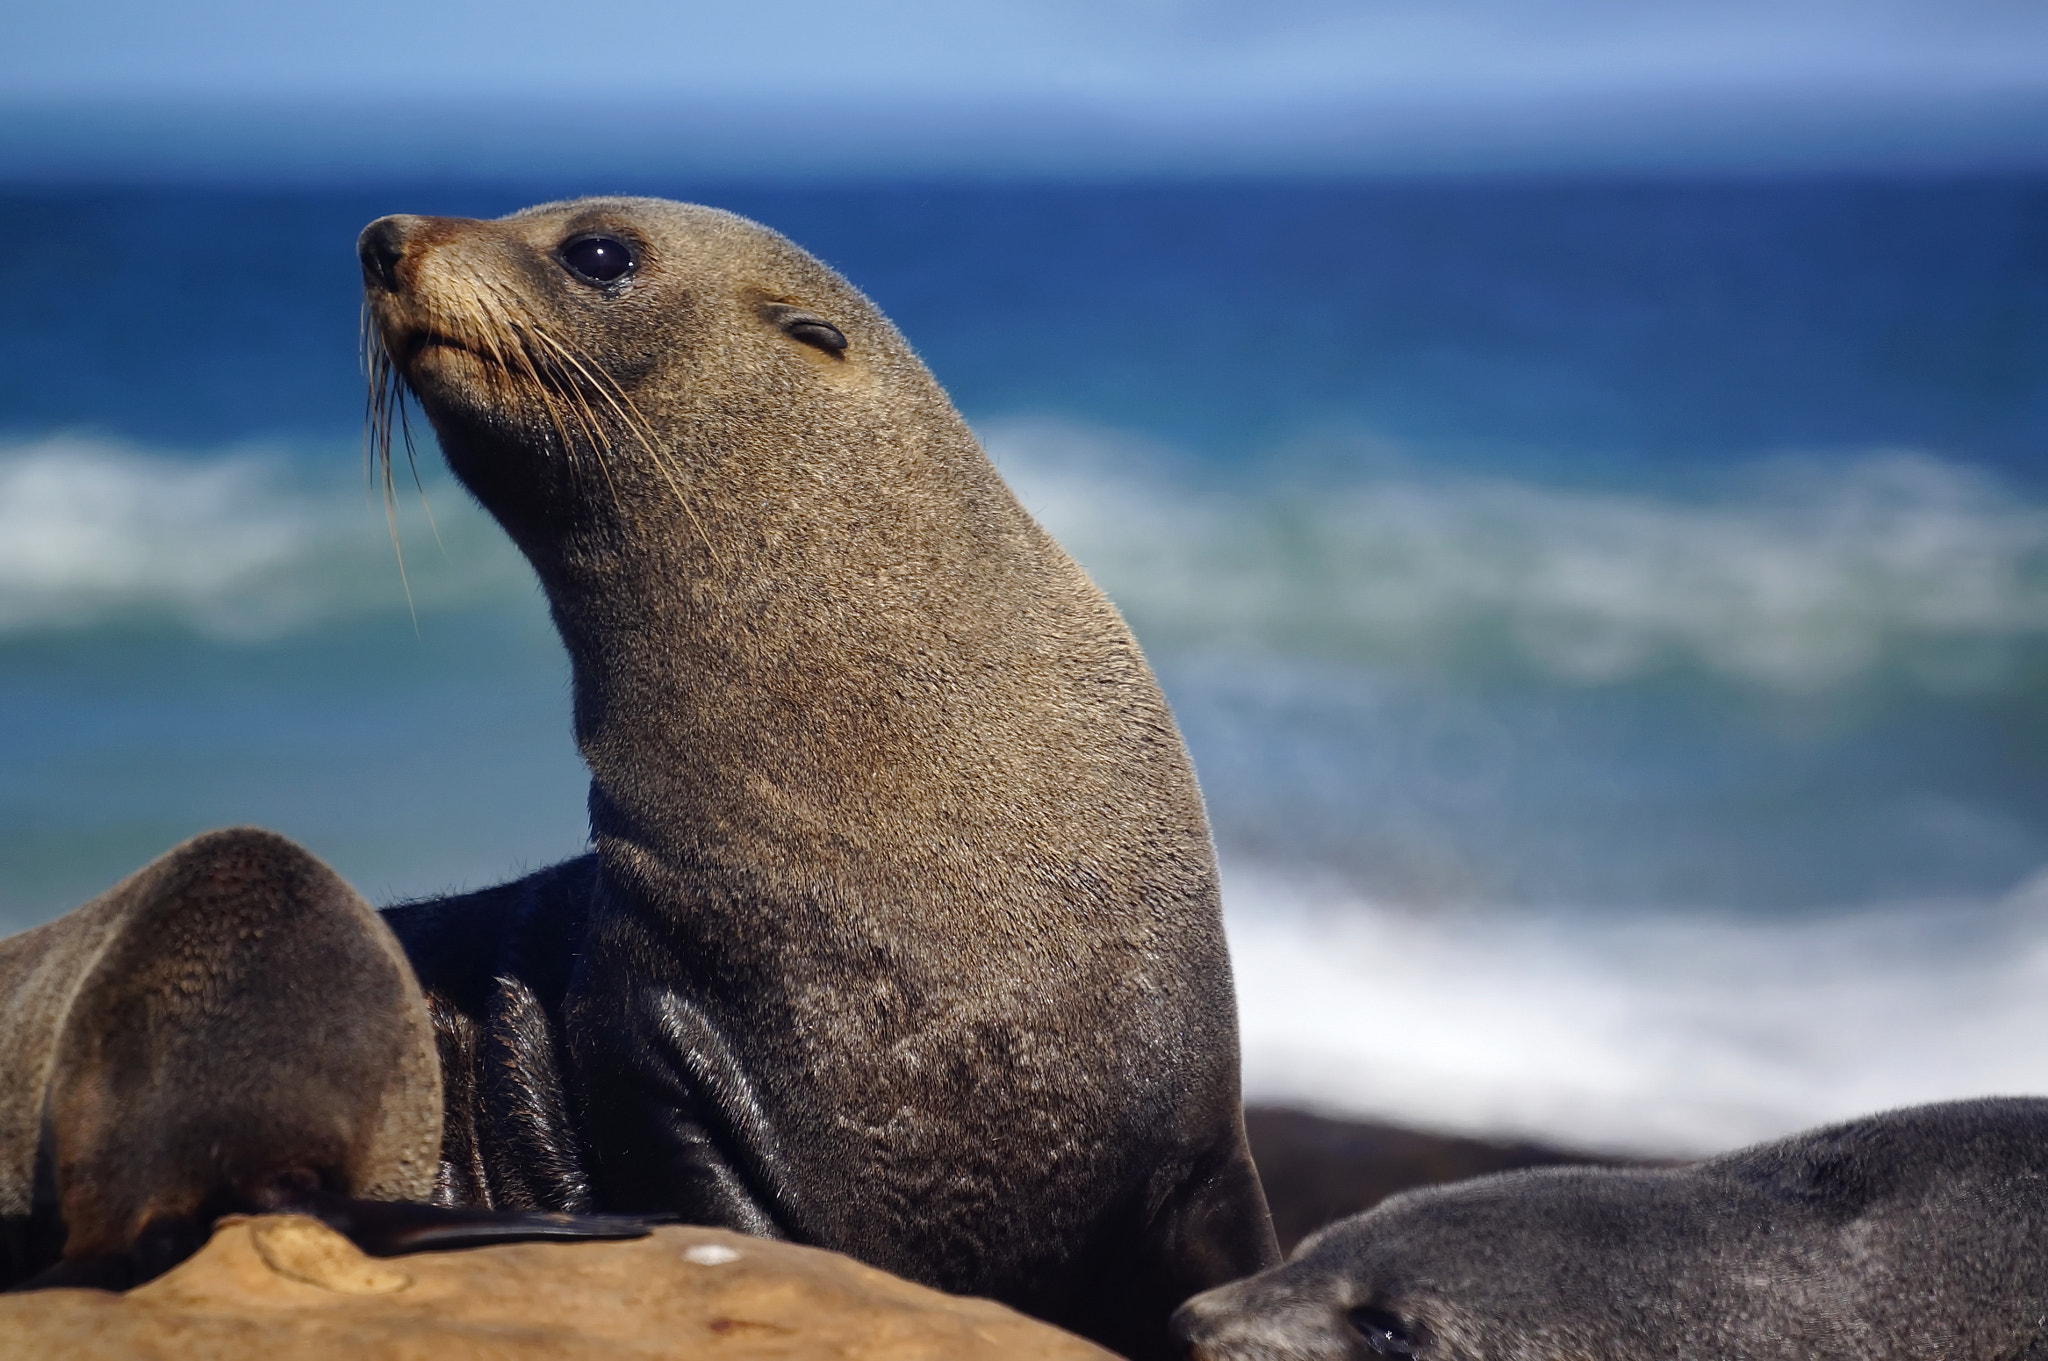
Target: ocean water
1610, 618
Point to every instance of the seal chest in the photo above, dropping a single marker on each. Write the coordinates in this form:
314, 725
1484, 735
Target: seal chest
901, 934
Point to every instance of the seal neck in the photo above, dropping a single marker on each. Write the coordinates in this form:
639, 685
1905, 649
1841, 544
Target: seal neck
857, 683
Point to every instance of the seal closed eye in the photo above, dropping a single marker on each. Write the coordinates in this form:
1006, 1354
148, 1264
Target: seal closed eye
901, 932
822, 334
803, 326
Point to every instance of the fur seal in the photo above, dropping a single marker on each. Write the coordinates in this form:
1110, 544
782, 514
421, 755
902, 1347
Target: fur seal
901, 933
229, 1029
1919, 1233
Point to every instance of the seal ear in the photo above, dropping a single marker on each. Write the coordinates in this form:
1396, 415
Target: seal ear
1833, 1182
1835, 1174
807, 327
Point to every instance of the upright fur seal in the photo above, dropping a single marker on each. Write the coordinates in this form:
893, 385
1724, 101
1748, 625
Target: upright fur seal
901, 933
229, 1029
1919, 1234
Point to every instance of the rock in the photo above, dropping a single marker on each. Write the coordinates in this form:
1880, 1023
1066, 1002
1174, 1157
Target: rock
287, 1286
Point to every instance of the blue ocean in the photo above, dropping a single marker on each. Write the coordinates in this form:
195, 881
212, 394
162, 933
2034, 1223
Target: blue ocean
1609, 616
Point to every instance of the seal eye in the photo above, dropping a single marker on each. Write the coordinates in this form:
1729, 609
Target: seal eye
821, 334
1384, 1334
598, 259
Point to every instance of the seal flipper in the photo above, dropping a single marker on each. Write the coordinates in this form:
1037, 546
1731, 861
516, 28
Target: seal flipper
392, 1228
506, 1138
381, 1228
530, 1151
461, 1179
494, 964
684, 1130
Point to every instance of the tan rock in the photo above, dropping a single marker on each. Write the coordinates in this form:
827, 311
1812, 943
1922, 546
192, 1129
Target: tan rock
287, 1288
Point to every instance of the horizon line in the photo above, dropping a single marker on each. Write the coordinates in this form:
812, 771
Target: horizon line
272, 139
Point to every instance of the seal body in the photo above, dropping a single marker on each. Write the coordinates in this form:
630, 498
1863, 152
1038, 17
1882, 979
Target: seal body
229, 1024
901, 932
229, 1030
1919, 1233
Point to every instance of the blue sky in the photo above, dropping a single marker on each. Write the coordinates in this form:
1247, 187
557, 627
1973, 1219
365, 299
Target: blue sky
1371, 81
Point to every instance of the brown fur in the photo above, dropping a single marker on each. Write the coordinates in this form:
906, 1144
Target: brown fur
229, 1014
885, 799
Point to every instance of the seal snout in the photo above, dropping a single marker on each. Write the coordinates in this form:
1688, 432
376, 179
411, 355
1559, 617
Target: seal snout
1269, 1317
1203, 1327
383, 245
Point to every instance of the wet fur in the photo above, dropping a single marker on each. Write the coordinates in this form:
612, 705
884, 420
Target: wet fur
1916, 1235
901, 933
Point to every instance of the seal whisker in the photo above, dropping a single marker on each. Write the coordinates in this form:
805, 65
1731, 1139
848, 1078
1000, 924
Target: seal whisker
370, 357
558, 395
426, 509
391, 516
554, 385
636, 425
504, 332
398, 396
386, 400
563, 387
380, 376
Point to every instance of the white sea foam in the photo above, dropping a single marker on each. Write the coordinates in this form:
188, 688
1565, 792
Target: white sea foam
1665, 1032
1799, 580
239, 545
1893, 561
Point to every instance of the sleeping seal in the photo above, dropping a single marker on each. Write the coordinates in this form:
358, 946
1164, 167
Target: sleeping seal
901, 933
1919, 1234
230, 1029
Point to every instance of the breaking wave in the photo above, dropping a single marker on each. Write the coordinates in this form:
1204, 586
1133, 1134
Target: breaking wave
1803, 577
1655, 1033
1893, 564
243, 545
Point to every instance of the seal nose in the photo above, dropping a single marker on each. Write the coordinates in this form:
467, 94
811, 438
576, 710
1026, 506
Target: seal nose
380, 248
1217, 1325
1192, 1330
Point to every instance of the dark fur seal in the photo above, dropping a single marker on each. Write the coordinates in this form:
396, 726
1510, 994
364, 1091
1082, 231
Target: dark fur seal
229, 1029
1917, 1234
901, 934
